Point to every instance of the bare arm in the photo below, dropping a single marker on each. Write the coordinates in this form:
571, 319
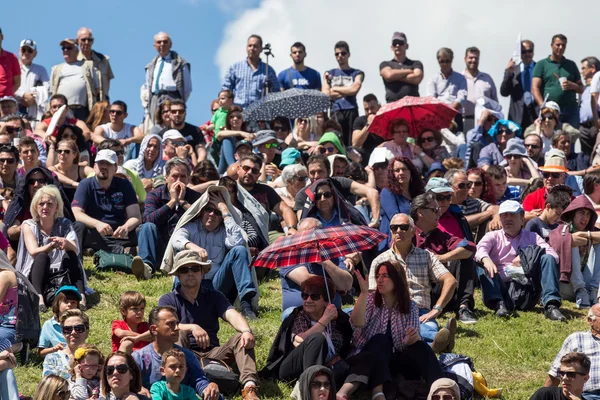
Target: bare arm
449, 284
81, 216
133, 217
201, 150
372, 196
98, 135
32, 244
391, 75
16, 82
415, 77
87, 133
340, 277
284, 211
137, 136
536, 90
350, 90
236, 320
551, 381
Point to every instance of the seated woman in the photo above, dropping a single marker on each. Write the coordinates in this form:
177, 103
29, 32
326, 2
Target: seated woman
443, 389
316, 383
294, 179
52, 387
149, 163
305, 134
387, 326
121, 378
68, 170
330, 144
429, 148
520, 168
481, 186
48, 247
68, 132
227, 137
399, 146
317, 333
75, 326
549, 124
577, 163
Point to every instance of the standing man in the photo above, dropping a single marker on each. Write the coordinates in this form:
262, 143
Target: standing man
559, 79
10, 72
517, 85
168, 75
191, 133
247, 78
101, 62
479, 84
299, 76
588, 110
342, 84
77, 80
401, 75
361, 137
33, 92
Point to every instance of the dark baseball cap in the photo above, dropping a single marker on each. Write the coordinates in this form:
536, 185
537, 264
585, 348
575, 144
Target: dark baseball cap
399, 36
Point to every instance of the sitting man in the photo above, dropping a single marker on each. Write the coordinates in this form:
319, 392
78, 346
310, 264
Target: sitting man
502, 191
217, 236
292, 277
556, 202
163, 207
454, 252
199, 309
106, 209
554, 172
588, 343
164, 326
423, 270
9, 160
504, 248
487, 112
573, 373
134, 178
591, 187
174, 145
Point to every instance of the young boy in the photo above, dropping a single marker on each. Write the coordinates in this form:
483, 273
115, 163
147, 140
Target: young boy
218, 119
173, 368
51, 337
132, 306
556, 202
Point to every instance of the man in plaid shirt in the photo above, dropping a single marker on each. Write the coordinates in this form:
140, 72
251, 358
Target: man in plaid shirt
587, 343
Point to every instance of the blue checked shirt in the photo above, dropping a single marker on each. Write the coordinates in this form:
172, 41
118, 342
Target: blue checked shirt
582, 342
511, 193
247, 84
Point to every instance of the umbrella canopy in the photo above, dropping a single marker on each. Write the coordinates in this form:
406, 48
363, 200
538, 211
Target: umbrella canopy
318, 245
420, 112
293, 103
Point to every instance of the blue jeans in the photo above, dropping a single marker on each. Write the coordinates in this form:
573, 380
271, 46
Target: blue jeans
150, 248
595, 395
233, 278
494, 289
428, 329
227, 151
8, 333
8, 385
570, 116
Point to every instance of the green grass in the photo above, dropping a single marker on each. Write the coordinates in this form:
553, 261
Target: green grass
513, 354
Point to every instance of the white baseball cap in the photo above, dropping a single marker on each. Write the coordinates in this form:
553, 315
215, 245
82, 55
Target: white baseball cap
173, 134
107, 155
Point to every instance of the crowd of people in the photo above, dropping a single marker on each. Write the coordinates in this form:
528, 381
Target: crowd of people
505, 203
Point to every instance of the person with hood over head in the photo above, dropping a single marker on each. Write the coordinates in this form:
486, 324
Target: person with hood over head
315, 383
502, 131
149, 163
330, 144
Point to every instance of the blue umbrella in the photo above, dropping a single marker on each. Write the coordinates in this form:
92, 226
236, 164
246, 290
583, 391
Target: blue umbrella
293, 103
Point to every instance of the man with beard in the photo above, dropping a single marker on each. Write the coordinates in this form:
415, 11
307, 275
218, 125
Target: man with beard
479, 84
190, 132
299, 76
534, 145
106, 209
361, 137
9, 159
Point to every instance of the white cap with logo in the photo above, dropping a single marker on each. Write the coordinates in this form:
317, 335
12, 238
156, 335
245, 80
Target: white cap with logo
107, 155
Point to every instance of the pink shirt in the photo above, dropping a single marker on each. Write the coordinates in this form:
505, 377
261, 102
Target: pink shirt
502, 250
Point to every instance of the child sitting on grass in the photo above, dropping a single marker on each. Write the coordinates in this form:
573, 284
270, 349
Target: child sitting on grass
132, 307
173, 368
86, 367
51, 337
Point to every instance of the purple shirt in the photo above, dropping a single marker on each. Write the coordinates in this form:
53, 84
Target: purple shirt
502, 249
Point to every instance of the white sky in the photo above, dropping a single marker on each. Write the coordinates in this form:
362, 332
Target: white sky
428, 25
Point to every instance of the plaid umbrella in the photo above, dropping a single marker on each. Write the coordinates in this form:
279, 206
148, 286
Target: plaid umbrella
293, 103
318, 245
420, 112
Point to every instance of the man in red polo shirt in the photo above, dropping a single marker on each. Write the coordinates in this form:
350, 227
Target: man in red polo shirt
10, 71
554, 173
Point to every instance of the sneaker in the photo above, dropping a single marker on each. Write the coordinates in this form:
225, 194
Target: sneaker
501, 310
582, 298
440, 341
554, 314
138, 268
147, 271
466, 316
451, 326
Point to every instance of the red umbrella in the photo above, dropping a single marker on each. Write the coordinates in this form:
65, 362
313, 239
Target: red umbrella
318, 245
420, 112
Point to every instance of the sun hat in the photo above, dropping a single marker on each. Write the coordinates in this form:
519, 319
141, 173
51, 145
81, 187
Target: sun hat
189, 257
438, 185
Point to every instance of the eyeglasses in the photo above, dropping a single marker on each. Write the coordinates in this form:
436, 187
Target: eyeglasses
255, 171
33, 181
176, 144
554, 175
65, 151
320, 385
67, 48
86, 39
12, 130
445, 61
434, 209
569, 374
121, 369
428, 139
398, 43
313, 296
402, 227
442, 397
324, 195
177, 112
67, 330
441, 197
475, 183
7, 161
300, 178
341, 53
186, 270
533, 146
209, 210
63, 394
118, 113
271, 145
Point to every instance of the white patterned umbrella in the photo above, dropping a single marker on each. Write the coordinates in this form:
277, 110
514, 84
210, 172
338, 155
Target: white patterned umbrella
293, 103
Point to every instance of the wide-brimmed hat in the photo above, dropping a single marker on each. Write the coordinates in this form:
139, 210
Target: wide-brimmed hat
264, 136
190, 257
555, 161
515, 146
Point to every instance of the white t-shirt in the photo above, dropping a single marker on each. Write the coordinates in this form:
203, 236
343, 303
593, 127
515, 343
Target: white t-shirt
595, 85
124, 133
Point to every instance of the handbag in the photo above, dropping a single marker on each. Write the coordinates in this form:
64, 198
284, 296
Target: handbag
105, 260
220, 373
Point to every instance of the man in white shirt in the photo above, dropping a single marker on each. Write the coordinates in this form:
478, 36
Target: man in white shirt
32, 95
117, 128
479, 84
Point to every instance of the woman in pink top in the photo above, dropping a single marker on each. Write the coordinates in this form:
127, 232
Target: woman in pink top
8, 304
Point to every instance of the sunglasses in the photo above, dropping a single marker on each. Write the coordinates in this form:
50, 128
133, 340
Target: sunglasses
26, 50
65, 151
442, 397
302, 121
176, 144
320, 385
118, 113
526, 51
121, 369
271, 145
33, 181
177, 111
278, 128
533, 146
7, 160
327, 150
67, 330
341, 53
547, 117
504, 131
434, 209
428, 139
300, 178
255, 171
324, 195
475, 183
548, 175
569, 374
398, 43
67, 48
441, 197
10, 129
213, 210
514, 157
313, 296
402, 227
186, 270
87, 39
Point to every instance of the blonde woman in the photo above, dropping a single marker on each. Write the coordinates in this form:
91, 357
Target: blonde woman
48, 247
304, 134
68, 170
52, 387
75, 326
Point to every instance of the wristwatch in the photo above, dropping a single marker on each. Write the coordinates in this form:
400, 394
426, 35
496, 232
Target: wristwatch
436, 307
226, 215
422, 154
247, 330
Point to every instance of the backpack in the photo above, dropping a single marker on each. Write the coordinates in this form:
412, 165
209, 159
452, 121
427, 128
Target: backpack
28, 326
220, 373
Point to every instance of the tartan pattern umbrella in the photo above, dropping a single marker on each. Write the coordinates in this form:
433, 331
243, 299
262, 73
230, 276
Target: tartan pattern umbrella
420, 112
293, 103
318, 245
